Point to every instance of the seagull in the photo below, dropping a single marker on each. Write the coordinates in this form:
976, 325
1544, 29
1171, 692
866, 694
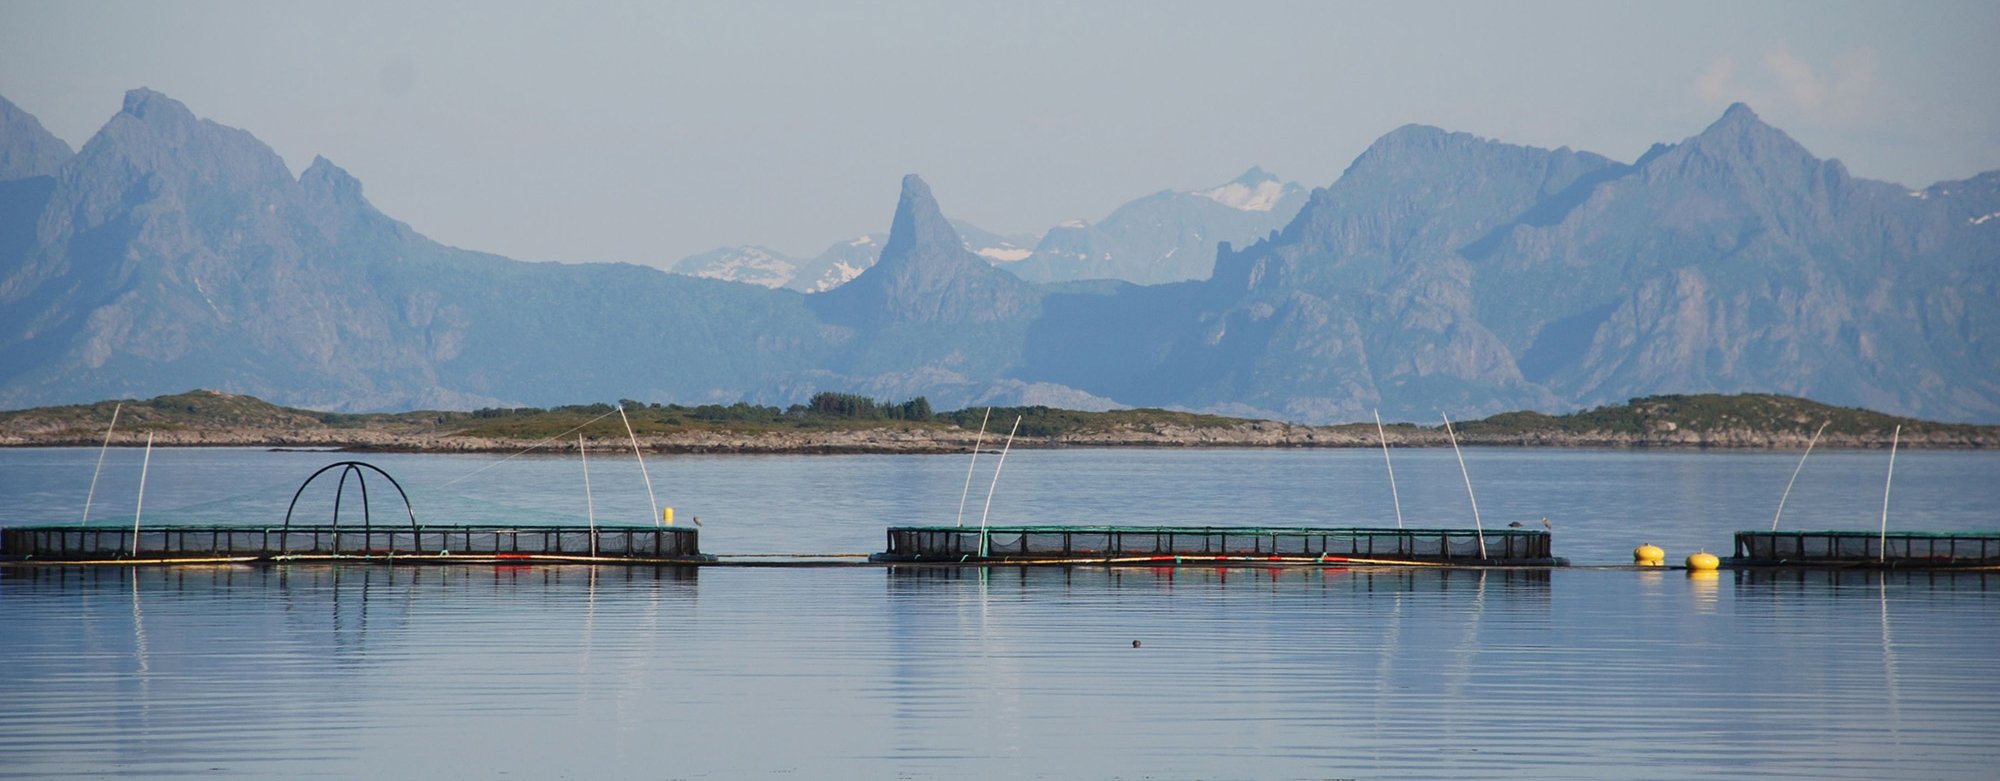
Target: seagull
1546, 524
1514, 525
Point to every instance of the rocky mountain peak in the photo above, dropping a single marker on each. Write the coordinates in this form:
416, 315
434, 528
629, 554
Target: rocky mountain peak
926, 274
324, 180
155, 150
1739, 123
153, 134
1404, 140
1255, 176
1740, 137
919, 226
334, 201
1417, 153
145, 104
1257, 190
1739, 113
26, 148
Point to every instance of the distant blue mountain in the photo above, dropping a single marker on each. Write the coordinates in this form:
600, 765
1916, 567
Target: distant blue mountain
172, 252
840, 263
1447, 271
1441, 271
1168, 236
26, 148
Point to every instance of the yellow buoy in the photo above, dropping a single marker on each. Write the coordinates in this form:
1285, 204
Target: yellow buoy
1703, 561
1649, 555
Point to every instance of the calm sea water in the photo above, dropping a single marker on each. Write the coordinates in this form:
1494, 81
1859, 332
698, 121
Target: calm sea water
585, 672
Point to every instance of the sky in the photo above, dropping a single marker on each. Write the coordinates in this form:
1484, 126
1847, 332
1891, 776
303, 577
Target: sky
645, 132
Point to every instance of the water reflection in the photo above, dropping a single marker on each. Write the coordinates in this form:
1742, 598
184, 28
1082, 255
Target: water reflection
910, 579
921, 672
1773, 582
286, 668
1706, 585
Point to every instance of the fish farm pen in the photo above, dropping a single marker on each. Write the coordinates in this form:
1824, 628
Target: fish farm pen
300, 543
1867, 549
1166, 545
366, 541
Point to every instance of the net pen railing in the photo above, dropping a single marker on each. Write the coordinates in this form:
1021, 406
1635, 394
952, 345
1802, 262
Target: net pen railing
1111, 543
1855, 547
60, 543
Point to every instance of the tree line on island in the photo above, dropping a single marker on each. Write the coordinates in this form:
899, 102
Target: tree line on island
826, 405
1672, 420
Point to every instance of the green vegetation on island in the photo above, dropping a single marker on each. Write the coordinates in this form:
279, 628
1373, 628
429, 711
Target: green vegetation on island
1763, 413
844, 422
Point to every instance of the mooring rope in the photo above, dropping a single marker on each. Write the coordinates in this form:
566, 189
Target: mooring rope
533, 446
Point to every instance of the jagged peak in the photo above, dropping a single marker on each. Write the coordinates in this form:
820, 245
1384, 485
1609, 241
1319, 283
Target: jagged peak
27, 148
1400, 153
12, 115
1740, 126
328, 184
1257, 190
1737, 141
155, 134
1413, 139
919, 222
1255, 176
160, 129
146, 104
1408, 134
1739, 112
324, 175
1736, 120
926, 274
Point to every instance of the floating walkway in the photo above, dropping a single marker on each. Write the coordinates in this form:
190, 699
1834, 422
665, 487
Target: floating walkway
175, 544
1210, 545
1865, 550
288, 542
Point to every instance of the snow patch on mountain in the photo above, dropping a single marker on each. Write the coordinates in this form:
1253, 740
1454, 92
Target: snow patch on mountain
1260, 197
752, 265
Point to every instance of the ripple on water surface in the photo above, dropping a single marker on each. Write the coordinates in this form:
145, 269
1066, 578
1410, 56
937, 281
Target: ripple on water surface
343, 671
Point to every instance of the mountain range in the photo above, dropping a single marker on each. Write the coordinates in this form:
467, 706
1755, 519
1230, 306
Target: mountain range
1169, 236
841, 262
1441, 271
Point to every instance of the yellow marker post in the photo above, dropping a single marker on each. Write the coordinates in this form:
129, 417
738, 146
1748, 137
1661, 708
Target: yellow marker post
667, 515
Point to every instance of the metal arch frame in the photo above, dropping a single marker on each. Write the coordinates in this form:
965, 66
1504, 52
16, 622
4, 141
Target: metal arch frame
348, 467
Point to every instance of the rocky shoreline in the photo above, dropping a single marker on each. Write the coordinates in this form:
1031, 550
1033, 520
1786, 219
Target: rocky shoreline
937, 439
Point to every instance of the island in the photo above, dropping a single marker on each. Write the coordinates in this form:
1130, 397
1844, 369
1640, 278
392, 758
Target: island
849, 423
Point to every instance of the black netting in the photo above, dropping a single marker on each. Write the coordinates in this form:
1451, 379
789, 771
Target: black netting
82, 544
1053, 543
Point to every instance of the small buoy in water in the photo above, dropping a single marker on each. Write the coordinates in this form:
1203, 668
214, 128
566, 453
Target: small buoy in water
1703, 561
1649, 555
1135, 644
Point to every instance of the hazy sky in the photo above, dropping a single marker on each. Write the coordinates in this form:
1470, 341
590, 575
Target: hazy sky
644, 132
